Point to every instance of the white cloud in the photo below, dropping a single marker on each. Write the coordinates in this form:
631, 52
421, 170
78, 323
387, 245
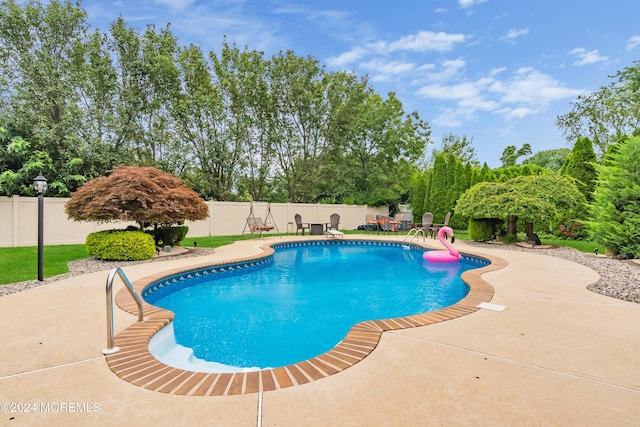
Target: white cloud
458, 91
468, 3
525, 93
421, 42
512, 35
518, 113
633, 42
174, 4
448, 117
531, 87
587, 57
441, 10
391, 67
450, 71
346, 58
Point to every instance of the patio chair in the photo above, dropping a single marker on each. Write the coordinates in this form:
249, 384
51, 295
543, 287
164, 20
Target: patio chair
426, 224
334, 222
435, 228
334, 233
300, 225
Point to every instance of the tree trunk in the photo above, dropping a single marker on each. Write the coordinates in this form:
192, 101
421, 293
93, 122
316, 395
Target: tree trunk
528, 229
511, 226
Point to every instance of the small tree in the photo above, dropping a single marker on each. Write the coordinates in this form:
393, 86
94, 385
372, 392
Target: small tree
616, 206
145, 195
533, 198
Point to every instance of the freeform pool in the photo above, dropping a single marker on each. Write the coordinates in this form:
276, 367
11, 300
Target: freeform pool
298, 303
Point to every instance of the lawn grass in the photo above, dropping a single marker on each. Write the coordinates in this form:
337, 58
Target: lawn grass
21, 264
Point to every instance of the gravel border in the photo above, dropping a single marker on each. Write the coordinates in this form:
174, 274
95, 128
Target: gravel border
618, 279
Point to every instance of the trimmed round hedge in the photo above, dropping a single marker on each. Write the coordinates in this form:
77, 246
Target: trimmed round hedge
120, 245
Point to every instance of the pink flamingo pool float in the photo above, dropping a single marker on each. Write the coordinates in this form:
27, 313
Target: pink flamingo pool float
443, 256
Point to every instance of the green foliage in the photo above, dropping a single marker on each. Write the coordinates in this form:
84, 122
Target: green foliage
483, 229
510, 238
580, 166
536, 198
233, 124
607, 114
549, 159
438, 197
120, 245
418, 190
615, 210
170, 235
574, 230
510, 154
461, 147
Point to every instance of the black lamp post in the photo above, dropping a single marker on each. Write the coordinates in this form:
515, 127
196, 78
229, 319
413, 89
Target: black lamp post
40, 185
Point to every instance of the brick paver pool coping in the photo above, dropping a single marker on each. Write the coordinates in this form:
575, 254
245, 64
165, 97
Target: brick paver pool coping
135, 364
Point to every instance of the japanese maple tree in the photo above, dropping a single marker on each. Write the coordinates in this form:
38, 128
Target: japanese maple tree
135, 193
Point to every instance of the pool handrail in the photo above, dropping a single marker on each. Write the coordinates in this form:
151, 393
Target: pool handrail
111, 348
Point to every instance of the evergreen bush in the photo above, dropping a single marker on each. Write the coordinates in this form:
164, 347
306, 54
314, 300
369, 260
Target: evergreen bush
483, 229
615, 210
120, 245
170, 235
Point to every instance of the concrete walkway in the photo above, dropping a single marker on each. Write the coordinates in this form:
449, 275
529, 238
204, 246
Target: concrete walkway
557, 355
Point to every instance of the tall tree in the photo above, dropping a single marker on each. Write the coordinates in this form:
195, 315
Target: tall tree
580, 166
606, 114
615, 211
38, 46
438, 203
299, 136
459, 146
549, 159
510, 154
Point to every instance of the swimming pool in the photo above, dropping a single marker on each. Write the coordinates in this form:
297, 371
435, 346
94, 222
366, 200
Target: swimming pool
302, 300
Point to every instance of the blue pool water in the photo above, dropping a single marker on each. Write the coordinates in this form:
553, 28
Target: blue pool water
304, 300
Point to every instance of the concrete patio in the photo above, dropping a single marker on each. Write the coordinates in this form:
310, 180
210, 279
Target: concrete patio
558, 355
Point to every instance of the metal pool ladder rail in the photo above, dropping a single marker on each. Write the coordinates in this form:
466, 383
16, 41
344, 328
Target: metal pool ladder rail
413, 233
112, 275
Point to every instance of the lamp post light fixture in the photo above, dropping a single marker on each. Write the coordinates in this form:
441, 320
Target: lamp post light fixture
40, 185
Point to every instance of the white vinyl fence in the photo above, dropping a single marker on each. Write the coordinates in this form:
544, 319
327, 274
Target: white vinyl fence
19, 219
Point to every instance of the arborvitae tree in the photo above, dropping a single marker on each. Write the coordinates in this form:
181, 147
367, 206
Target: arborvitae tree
426, 207
461, 183
418, 189
475, 176
615, 210
485, 174
580, 166
439, 189
468, 175
452, 196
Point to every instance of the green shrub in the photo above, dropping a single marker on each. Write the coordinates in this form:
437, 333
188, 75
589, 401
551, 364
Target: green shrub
510, 238
483, 229
120, 245
170, 235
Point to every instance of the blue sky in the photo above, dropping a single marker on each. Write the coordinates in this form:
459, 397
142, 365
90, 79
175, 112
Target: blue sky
498, 71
